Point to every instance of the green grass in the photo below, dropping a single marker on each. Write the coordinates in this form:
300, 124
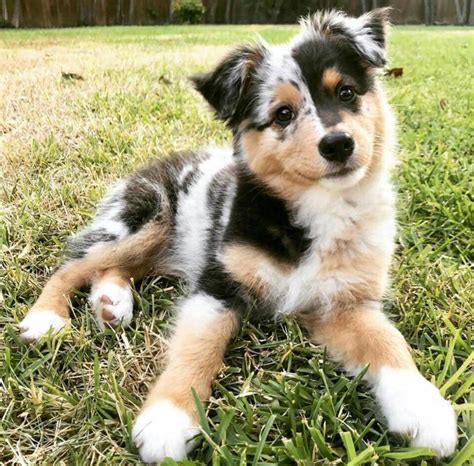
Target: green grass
279, 399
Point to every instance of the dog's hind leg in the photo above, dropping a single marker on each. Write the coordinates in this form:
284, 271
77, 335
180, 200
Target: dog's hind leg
51, 310
111, 297
123, 241
111, 294
114, 262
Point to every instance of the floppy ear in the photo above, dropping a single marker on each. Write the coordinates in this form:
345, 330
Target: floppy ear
369, 38
224, 87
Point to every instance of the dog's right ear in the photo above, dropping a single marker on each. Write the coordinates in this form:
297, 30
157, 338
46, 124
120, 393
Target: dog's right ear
224, 87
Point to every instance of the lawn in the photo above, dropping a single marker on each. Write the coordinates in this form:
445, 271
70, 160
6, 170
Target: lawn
278, 400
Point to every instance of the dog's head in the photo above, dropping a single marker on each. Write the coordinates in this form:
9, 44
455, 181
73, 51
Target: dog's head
310, 111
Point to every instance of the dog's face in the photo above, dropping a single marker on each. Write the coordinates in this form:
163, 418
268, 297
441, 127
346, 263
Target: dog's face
309, 112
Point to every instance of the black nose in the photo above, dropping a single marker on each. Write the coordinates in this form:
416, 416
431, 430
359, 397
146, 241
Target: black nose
336, 147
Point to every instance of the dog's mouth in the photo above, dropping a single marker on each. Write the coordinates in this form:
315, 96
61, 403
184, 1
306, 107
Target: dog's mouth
306, 177
341, 172
333, 174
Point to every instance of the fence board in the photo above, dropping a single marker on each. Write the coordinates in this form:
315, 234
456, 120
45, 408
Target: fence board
66, 13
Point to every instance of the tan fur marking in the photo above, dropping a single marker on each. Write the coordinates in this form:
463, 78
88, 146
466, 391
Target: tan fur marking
379, 133
195, 356
129, 258
117, 276
57, 291
331, 78
243, 262
284, 161
289, 166
367, 128
287, 94
288, 161
359, 336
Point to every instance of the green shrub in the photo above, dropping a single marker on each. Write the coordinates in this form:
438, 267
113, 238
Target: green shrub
4, 24
188, 12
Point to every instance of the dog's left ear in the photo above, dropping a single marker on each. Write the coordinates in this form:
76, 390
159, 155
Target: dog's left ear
368, 35
224, 87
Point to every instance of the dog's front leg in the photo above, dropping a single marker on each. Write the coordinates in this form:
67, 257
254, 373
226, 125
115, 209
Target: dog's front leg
361, 335
168, 421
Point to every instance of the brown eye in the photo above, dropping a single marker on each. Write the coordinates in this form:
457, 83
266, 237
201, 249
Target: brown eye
284, 115
346, 94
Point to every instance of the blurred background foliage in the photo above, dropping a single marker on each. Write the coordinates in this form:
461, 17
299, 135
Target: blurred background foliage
69, 13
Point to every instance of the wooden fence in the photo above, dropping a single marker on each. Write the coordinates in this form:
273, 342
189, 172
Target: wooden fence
64, 13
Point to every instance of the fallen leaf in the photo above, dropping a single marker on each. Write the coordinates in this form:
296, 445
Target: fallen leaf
71, 76
443, 103
163, 79
395, 72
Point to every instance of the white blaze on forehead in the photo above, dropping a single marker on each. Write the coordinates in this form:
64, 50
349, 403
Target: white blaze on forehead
277, 68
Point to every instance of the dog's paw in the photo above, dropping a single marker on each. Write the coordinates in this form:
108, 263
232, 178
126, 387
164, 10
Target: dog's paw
162, 429
113, 304
39, 322
414, 407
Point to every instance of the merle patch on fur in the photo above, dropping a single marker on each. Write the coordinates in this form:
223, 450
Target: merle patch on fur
226, 87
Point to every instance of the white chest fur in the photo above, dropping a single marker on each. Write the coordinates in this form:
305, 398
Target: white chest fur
352, 242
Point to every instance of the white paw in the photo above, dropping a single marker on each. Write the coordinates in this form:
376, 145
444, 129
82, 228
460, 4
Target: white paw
113, 304
39, 322
162, 430
414, 407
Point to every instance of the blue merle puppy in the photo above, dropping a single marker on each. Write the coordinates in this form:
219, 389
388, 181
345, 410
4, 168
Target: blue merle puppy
296, 218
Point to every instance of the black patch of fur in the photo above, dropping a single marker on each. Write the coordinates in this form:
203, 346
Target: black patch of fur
314, 57
295, 84
189, 180
142, 204
152, 192
214, 280
219, 191
219, 284
263, 220
257, 218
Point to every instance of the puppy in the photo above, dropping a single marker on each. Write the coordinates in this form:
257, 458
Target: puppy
297, 218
